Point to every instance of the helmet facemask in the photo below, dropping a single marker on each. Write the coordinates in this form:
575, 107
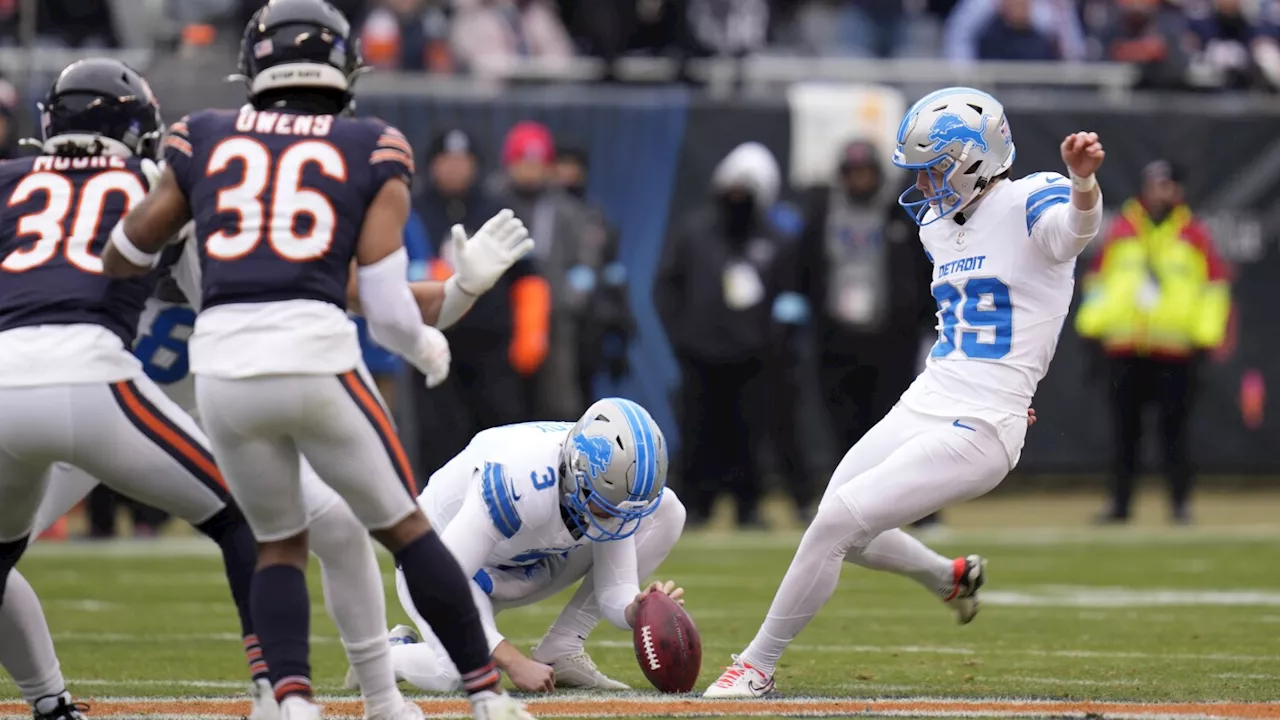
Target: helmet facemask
613, 468
958, 140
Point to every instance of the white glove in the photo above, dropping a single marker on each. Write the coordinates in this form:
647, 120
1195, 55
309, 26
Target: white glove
152, 171
483, 258
433, 356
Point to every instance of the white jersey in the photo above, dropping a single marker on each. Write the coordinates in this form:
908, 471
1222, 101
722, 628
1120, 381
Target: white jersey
1003, 282
497, 506
511, 472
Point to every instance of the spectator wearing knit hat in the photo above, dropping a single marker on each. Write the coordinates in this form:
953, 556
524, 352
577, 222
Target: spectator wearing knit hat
569, 252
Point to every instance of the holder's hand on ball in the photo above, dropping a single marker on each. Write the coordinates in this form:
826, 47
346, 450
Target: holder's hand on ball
667, 588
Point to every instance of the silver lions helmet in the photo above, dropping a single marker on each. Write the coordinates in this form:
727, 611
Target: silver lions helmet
960, 139
613, 468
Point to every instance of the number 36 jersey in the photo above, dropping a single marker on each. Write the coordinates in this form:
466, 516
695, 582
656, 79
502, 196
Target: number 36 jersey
1003, 282
279, 199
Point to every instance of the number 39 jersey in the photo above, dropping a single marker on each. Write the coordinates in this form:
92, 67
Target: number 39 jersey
61, 319
279, 199
1003, 291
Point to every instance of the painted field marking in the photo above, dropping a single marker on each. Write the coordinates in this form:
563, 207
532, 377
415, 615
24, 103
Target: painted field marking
835, 649
615, 706
1068, 536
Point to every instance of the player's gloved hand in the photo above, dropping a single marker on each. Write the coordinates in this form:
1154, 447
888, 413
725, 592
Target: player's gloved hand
152, 171
530, 675
668, 587
434, 356
481, 259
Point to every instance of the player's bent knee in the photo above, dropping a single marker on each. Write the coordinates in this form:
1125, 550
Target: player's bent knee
335, 530
404, 532
836, 527
670, 516
10, 554
223, 522
288, 551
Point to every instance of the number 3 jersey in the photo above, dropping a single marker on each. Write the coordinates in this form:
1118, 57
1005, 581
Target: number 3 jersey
1003, 282
61, 319
499, 500
279, 199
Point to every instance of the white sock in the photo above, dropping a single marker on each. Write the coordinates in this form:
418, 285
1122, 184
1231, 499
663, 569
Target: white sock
900, 552
423, 666
26, 648
808, 584
656, 537
355, 599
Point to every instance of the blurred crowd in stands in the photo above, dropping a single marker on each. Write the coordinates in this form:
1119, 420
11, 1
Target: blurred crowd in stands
1178, 43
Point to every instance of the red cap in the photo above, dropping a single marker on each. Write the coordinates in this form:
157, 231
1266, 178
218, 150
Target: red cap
528, 141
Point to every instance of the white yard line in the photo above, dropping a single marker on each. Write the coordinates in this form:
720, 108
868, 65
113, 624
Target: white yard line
1021, 537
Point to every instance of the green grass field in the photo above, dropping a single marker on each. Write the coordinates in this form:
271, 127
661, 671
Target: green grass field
1148, 614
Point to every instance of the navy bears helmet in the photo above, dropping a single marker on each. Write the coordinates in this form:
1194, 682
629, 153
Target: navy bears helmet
100, 106
299, 45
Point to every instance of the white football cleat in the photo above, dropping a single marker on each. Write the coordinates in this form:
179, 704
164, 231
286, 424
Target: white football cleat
399, 635
497, 706
264, 702
740, 680
296, 708
578, 670
408, 710
970, 574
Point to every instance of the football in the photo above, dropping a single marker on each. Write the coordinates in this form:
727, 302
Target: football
667, 644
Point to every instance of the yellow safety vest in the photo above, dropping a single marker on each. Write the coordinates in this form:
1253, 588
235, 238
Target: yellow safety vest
1152, 292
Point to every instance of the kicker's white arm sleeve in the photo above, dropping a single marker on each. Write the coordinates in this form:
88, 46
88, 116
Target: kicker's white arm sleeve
1065, 230
395, 322
456, 303
616, 577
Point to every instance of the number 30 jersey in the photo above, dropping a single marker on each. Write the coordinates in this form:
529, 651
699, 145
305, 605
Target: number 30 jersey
1003, 282
279, 199
61, 319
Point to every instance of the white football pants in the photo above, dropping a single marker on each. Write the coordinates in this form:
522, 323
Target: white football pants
427, 666
259, 425
129, 434
906, 467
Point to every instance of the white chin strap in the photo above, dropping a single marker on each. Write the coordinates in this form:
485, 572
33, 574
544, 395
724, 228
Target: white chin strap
109, 146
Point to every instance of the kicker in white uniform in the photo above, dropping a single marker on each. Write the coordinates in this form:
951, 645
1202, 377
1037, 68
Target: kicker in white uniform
1004, 254
530, 509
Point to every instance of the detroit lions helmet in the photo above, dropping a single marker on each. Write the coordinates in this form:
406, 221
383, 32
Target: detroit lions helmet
615, 462
961, 138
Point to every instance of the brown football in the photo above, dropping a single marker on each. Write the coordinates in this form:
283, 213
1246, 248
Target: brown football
667, 644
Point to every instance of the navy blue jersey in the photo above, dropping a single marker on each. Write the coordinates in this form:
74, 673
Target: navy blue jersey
279, 198
53, 228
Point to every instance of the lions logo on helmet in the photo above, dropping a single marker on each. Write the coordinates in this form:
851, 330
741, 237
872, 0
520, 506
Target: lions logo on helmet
951, 128
596, 451
957, 140
613, 469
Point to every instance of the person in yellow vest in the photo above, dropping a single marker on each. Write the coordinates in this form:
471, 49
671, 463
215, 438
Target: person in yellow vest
1157, 299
